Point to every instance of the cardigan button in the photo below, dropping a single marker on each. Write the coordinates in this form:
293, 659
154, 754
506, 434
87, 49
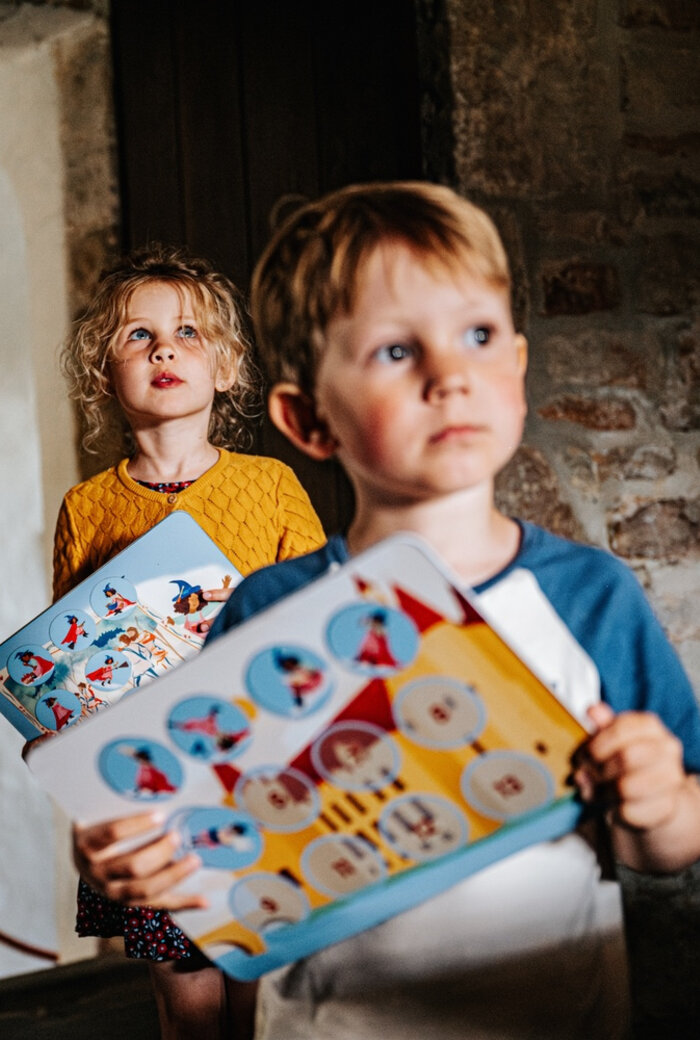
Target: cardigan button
172, 498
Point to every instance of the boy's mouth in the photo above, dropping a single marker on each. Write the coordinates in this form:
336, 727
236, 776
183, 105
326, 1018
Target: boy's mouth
165, 379
455, 433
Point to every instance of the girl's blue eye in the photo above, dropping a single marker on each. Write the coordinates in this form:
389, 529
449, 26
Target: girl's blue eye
393, 352
140, 334
477, 336
187, 332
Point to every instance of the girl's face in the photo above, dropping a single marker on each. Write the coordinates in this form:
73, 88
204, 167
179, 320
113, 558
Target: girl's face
162, 368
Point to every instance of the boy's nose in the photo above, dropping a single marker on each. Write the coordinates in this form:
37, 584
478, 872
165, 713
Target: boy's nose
450, 380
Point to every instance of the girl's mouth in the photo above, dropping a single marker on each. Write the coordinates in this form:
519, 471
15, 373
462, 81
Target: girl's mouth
164, 380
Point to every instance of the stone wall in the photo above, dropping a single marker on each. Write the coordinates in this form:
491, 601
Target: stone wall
575, 123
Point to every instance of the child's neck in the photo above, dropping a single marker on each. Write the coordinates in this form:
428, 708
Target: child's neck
160, 459
465, 529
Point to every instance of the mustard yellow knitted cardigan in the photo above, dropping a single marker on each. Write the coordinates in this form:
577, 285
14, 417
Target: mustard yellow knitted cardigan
254, 508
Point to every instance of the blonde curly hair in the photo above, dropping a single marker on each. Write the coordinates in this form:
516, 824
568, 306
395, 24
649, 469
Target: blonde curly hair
222, 321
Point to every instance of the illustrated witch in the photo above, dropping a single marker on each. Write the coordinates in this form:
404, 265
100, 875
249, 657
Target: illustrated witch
301, 679
105, 673
75, 630
374, 649
38, 666
149, 779
190, 602
61, 714
116, 603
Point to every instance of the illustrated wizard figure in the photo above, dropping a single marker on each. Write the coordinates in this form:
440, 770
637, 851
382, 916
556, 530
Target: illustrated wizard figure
149, 779
116, 603
190, 602
61, 714
75, 630
38, 666
105, 673
374, 649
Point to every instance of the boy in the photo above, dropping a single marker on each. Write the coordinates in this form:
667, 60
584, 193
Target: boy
383, 317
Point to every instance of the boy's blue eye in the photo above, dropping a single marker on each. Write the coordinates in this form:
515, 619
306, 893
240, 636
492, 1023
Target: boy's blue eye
187, 332
140, 334
394, 352
477, 336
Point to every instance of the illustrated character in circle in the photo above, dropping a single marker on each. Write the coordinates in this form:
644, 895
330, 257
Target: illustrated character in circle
235, 836
208, 726
75, 630
301, 679
38, 666
374, 649
61, 714
149, 779
105, 673
116, 603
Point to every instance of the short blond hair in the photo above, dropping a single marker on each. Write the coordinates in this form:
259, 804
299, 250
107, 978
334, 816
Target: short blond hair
222, 321
310, 270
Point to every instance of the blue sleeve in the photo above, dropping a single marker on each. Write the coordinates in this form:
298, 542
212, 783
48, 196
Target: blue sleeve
268, 585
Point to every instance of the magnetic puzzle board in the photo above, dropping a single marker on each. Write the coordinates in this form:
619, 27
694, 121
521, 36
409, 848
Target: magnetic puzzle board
132, 620
356, 748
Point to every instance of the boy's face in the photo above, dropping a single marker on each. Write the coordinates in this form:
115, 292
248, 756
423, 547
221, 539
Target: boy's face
422, 387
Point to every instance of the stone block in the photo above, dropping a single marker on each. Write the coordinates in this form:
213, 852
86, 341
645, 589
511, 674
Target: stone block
666, 14
594, 413
664, 530
598, 358
528, 488
668, 275
579, 287
643, 462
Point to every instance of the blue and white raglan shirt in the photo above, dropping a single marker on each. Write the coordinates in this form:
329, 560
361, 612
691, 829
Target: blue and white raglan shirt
531, 947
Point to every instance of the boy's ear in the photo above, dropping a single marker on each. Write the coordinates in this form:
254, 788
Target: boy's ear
294, 414
521, 348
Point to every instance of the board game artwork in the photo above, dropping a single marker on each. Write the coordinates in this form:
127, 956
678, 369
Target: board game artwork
128, 623
351, 751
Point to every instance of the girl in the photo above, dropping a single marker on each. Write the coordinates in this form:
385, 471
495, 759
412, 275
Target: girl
161, 353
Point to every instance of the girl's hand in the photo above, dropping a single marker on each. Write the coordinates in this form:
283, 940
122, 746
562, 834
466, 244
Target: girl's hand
215, 596
633, 766
144, 876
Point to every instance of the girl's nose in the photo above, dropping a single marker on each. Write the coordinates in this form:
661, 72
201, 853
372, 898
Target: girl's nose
162, 350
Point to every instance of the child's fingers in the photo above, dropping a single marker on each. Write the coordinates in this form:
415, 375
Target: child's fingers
155, 889
217, 595
95, 837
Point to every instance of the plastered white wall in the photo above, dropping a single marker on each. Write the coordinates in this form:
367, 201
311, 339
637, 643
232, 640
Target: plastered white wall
37, 457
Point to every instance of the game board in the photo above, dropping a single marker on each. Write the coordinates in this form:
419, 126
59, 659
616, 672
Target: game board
347, 753
128, 623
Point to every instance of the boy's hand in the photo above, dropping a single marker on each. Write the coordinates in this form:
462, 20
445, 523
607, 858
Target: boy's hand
144, 876
633, 765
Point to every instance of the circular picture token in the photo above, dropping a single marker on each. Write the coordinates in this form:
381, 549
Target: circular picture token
221, 837
504, 784
439, 712
30, 665
57, 709
340, 864
72, 630
283, 799
356, 756
372, 639
288, 680
423, 826
140, 769
267, 902
113, 598
209, 728
108, 670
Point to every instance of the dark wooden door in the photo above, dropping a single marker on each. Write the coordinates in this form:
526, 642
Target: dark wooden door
227, 109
